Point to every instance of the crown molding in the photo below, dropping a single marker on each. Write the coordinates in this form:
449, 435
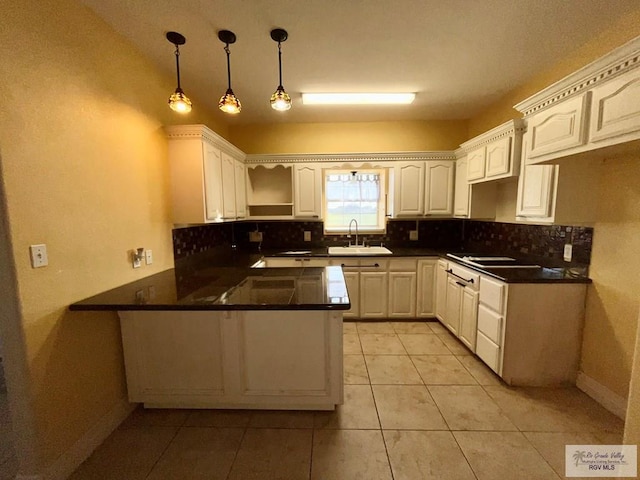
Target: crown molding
349, 157
510, 128
618, 61
190, 132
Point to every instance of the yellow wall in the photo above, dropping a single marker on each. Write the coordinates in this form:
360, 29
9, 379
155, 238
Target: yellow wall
626, 29
349, 137
632, 425
614, 185
84, 168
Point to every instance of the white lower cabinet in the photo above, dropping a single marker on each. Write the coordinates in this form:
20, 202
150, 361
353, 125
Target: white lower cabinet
441, 289
531, 334
461, 304
425, 293
373, 294
352, 279
233, 359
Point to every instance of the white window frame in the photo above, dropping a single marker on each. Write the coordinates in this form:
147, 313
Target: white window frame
381, 209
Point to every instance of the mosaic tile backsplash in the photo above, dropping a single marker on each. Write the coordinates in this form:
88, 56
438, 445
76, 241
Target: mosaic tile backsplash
536, 240
454, 235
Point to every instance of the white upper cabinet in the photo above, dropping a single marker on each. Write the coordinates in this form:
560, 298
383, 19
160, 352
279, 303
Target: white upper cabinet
307, 187
595, 107
495, 154
615, 108
241, 189
476, 160
228, 186
408, 178
202, 166
461, 194
439, 181
558, 128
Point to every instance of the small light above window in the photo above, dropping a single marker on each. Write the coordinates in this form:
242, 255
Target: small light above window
358, 98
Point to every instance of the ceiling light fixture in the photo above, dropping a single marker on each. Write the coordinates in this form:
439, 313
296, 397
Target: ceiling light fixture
280, 100
229, 103
357, 98
178, 101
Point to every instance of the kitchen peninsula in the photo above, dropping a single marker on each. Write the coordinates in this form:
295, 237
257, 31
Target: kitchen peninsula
232, 337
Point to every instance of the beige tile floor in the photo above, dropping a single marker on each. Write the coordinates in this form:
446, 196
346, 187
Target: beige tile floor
417, 406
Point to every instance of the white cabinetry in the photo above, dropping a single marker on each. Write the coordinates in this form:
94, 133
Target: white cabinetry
439, 181
472, 201
307, 187
425, 297
558, 128
461, 303
461, 195
441, 289
408, 178
595, 107
615, 108
519, 322
240, 359
495, 154
403, 280
373, 288
241, 189
270, 191
283, 262
202, 165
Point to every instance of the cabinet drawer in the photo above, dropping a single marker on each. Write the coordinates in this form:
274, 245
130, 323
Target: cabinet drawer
469, 277
403, 265
492, 294
488, 351
490, 323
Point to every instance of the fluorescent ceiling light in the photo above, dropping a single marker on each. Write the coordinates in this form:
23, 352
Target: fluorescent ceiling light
357, 98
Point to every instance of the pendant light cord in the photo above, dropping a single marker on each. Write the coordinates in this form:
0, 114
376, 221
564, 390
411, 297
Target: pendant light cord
280, 65
178, 65
226, 49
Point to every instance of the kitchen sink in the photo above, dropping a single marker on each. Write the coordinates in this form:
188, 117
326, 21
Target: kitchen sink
353, 250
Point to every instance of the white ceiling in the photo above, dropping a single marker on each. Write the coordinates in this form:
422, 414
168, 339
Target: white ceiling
459, 56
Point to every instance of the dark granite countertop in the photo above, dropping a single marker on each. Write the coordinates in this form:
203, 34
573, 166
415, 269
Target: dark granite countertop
228, 288
549, 271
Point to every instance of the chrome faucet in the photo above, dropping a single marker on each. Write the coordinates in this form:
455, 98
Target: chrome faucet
349, 236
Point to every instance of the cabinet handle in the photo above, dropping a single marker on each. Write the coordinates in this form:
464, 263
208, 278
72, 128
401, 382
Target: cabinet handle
343, 265
375, 265
461, 284
450, 271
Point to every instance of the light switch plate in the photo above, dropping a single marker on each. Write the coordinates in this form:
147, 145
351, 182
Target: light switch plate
39, 256
307, 236
568, 252
148, 257
413, 234
255, 236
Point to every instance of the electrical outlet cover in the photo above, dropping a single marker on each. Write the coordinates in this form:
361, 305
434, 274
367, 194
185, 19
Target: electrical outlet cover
307, 236
413, 234
148, 257
568, 252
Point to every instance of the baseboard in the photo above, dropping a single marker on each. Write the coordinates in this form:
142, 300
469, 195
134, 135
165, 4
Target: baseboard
601, 394
70, 460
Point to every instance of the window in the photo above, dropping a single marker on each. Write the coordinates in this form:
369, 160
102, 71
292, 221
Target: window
358, 195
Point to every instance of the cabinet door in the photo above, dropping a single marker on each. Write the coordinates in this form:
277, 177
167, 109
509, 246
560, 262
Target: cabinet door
439, 188
172, 354
241, 190
352, 279
475, 164
373, 294
558, 128
307, 187
615, 108
498, 158
212, 184
469, 318
425, 294
402, 294
409, 189
441, 290
228, 187
536, 191
461, 196
452, 306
